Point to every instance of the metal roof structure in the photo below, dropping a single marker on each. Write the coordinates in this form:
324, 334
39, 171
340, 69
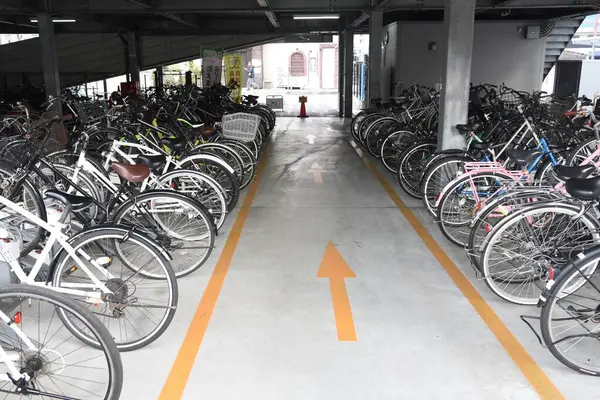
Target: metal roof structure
254, 17
175, 30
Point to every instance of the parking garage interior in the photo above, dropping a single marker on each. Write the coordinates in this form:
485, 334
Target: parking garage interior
326, 281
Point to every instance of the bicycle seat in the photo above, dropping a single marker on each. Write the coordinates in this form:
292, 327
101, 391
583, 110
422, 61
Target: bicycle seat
173, 143
523, 157
584, 189
77, 203
252, 98
152, 161
135, 173
401, 100
565, 173
482, 145
466, 128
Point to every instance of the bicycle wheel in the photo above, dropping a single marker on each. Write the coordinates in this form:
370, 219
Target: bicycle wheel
16, 152
462, 200
545, 173
225, 177
437, 176
378, 132
570, 318
411, 166
201, 187
356, 121
53, 362
493, 212
393, 146
230, 156
28, 197
179, 223
143, 287
524, 247
365, 124
582, 152
249, 162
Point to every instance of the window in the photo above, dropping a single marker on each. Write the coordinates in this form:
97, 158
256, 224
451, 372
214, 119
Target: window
313, 64
297, 64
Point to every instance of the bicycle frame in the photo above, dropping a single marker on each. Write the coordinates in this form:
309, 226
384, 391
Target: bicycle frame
474, 168
56, 235
170, 160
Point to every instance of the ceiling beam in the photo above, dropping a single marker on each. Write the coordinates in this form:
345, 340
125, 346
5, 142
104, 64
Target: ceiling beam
495, 4
147, 4
269, 13
178, 19
376, 5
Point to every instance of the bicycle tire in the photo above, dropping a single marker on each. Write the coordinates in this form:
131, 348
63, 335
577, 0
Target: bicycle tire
172, 238
93, 324
449, 191
210, 194
217, 170
436, 178
574, 267
35, 202
62, 265
409, 176
527, 212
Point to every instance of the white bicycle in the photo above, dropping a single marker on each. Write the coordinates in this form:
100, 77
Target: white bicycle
119, 274
39, 357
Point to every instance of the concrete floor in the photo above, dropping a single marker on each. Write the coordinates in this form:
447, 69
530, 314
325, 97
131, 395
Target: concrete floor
273, 333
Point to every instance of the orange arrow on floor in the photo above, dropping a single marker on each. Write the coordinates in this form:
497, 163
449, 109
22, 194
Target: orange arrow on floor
334, 267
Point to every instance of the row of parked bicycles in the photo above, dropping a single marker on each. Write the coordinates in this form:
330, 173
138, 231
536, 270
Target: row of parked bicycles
521, 197
104, 205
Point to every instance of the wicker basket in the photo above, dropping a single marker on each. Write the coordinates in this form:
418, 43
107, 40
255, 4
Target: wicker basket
240, 126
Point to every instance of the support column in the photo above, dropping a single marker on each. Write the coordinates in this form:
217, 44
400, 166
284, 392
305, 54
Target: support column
341, 67
49, 58
459, 22
132, 55
348, 73
159, 77
105, 85
375, 38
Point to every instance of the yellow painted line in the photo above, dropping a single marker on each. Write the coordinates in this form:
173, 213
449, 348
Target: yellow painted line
334, 267
534, 374
186, 357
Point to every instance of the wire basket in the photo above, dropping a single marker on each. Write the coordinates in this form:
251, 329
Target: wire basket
240, 126
90, 112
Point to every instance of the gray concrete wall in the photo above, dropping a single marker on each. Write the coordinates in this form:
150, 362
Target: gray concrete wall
500, 55
589, 82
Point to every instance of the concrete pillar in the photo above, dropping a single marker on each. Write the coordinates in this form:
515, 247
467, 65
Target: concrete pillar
159, 77
459, 21
105, 84
132, 55
375, 38
341, 67
348, 73
49, 58
188, 79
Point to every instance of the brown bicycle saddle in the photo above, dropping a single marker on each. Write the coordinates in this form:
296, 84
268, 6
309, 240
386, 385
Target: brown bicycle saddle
134, 173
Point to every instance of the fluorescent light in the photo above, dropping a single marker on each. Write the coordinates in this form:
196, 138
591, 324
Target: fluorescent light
324, 16
63, 21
